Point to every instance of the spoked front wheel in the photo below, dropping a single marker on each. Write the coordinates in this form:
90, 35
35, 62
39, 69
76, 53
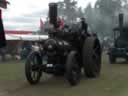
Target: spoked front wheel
73, 70
33, 68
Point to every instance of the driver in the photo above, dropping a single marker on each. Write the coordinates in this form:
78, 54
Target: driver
84, 26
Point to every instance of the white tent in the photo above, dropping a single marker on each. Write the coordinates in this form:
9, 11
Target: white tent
26, 37
11, 37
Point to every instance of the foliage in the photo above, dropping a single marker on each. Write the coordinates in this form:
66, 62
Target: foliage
69, 10
102, 17
108, 7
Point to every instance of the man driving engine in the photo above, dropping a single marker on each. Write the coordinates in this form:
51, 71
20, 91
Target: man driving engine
84, 26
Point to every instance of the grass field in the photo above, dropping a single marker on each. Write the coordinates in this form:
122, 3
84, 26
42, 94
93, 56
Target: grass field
112, 82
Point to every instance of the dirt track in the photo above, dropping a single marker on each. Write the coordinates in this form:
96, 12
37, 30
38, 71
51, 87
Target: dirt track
112, 82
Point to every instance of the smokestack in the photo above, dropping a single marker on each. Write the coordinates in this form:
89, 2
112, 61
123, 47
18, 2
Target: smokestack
53, 14
121, 19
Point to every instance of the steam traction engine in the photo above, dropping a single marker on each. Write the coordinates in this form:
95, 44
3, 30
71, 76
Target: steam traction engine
119, 49
64, 53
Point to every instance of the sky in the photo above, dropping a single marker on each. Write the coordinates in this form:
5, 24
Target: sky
26, 14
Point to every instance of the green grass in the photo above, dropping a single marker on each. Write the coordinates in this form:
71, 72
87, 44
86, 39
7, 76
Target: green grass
12, 70
112, 82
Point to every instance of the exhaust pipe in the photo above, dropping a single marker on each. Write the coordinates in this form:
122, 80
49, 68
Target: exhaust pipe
121, 21
53, 14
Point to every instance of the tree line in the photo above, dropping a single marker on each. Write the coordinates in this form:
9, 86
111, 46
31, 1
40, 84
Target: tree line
102, 17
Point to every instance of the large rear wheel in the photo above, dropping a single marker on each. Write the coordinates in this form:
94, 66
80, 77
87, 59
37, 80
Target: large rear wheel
92, 57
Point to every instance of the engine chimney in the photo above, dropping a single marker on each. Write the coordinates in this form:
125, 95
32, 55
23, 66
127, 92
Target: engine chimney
53, 14
121, 19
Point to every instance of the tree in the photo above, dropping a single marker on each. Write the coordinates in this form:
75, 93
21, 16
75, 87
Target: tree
94, 20
108, 10
108, 7
68, 9
80, 13
89, 13
125, 5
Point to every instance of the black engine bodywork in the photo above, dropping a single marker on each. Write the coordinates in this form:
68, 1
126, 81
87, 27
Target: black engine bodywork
65, 52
